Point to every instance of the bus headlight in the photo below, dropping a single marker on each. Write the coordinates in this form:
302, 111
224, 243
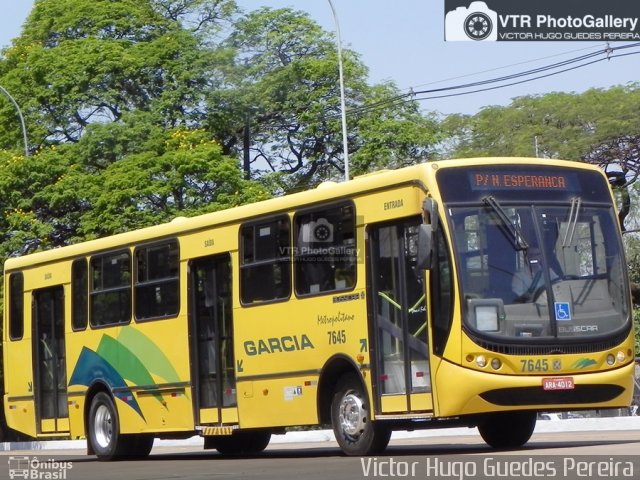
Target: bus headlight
620, 356
611, 359
496, 364
481, 361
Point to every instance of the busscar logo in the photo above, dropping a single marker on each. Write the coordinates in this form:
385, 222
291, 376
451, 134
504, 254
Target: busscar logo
475, 22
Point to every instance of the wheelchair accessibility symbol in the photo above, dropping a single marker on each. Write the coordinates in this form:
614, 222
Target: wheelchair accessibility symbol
563, 311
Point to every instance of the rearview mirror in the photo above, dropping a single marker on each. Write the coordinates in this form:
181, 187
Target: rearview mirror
425, 247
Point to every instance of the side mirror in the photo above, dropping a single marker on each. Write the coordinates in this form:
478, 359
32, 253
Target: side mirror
425, 247
426, 232
430, 209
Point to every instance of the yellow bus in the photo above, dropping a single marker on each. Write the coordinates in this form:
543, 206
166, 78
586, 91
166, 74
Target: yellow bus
471, 292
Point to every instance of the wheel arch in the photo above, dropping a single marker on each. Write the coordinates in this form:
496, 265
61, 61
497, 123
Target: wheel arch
334, 368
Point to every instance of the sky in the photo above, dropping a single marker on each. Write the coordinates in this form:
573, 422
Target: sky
403, 42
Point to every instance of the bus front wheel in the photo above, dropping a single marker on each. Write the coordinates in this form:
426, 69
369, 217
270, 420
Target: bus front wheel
104, 430
139, 445
507, 429
351, 419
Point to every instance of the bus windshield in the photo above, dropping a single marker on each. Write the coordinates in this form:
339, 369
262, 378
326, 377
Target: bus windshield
540, 270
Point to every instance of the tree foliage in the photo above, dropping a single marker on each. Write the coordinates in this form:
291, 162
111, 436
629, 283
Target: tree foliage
555, 125
288, 95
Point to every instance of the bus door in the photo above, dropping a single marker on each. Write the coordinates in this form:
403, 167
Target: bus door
212, 357
396, 290
50, 377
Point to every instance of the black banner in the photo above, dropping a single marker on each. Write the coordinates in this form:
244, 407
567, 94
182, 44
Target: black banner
542, 20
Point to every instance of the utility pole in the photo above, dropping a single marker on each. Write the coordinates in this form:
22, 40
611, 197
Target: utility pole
246, 143
343, 107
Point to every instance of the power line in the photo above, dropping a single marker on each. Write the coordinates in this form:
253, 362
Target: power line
554, 68
528, 79
533, 60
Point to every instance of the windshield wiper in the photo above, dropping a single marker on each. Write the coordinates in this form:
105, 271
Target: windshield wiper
576, 202
514, 230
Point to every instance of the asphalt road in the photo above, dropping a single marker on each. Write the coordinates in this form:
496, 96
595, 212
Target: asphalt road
574, 455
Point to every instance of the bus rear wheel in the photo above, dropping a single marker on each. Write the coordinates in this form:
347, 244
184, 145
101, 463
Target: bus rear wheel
355, 432
104, 430
507, 429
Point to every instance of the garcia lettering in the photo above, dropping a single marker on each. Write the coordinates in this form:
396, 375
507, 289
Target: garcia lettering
288, 343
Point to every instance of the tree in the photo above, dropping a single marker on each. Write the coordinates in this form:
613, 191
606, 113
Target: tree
79, 62
392, 137
50, 199
555, 125
184, 173
106, 86
286, 92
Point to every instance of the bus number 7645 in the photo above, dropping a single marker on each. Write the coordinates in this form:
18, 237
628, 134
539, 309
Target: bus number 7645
538, 365
337, 337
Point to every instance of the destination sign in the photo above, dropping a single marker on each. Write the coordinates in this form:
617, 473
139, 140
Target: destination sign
521, 181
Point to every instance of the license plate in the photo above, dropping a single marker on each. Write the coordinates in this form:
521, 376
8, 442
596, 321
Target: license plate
558, 383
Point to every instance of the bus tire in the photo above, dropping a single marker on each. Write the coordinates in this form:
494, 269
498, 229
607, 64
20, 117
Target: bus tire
355, 432
507, 429
139, 446
104, 428
240, 443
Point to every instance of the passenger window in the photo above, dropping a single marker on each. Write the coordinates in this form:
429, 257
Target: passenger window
265, 266
325, 253
157, 285
16, 306
79, 294
110, 292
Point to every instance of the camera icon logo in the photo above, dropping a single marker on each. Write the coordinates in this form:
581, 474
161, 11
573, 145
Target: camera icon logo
319, 231
475, 22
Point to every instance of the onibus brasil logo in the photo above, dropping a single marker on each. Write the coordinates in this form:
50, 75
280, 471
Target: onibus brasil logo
32, 468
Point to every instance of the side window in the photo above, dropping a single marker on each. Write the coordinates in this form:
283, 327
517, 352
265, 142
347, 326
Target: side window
157, 281
265, 262
79, 294
110, 291
325, 251
16, 306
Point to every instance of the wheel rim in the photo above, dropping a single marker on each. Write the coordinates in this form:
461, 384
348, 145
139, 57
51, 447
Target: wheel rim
103, 426
352, 415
